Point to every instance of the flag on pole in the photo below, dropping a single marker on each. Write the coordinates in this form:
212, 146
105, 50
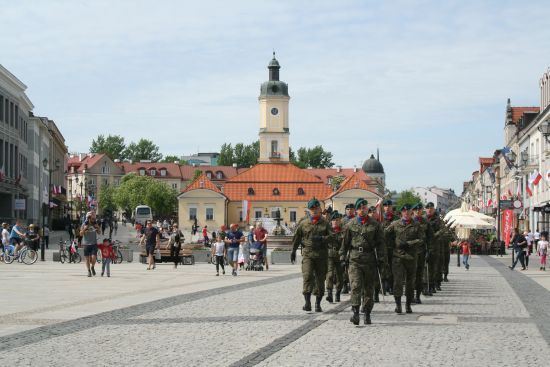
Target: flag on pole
489, 202
528, 189
510, 192
536, 177
518, 191
246, 210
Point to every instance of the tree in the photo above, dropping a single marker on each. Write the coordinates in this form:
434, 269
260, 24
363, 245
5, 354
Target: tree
226, 155
336, 181
107, 198
315, 157
172, 159
196, 174
144, 149
112, 145
408, 197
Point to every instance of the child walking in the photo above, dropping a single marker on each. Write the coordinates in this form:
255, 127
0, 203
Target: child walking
106, 254
220, 252
543, 251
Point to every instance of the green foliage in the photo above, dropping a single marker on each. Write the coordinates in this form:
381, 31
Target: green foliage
244, 155
408, 197
144, 149
196, 174
112, 145
226, 155
106, 199
315, 157
336, 182
143, 190
172, 159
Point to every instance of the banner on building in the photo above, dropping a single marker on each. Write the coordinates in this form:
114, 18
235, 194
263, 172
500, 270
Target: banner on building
19, 204
246, 211
507, 224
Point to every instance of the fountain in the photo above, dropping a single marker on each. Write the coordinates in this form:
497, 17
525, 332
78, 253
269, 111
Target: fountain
279, 235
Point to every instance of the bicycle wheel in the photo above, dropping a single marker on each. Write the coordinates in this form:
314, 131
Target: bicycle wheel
77, 258
8, 258
98, 257
62, 258
118, 258
29, 257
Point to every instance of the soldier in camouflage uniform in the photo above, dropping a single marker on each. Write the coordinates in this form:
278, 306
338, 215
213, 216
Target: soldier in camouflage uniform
350, 214
364, 241
422, 251
408, 237
335, 269
313, 234
388, 217
448, 237
434, 247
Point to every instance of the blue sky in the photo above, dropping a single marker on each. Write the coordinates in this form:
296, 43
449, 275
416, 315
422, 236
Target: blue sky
424, 81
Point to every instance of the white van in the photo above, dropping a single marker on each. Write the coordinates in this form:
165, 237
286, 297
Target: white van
142, 213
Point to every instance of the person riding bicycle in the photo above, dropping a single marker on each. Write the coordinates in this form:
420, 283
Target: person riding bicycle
16, 236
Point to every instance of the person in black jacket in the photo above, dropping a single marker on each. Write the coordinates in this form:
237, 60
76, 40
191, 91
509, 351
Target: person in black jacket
519, 243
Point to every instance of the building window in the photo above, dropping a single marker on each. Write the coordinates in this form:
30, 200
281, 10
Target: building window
105, 181
105, 168
175, 186
219, 175
192, 213
209, 213
274, 146
142, 172
162, 172
293, 215
276, 192
250, 191
301, 191
257, 213
209, 175
329, 180
153, 172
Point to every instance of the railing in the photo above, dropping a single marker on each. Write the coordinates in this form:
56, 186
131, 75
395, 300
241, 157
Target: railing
275, 155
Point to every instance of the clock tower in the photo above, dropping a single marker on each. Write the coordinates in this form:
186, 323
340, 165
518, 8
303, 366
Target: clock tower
274, 132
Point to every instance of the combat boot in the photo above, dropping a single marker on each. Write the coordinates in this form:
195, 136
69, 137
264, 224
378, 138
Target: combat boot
376, 296
408, 308
445, 278
355, 317
438, 286
367, 320
398, 308
346, 289
418, 301
307, 298
318, 304
329, 295
337, 296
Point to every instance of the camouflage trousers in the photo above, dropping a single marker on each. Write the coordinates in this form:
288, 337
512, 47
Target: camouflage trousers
446, 261
314, 273
420, 277
404, 271
363, 278
335, 272
434, 267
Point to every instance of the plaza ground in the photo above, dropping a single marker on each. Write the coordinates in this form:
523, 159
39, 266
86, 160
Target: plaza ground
52, 314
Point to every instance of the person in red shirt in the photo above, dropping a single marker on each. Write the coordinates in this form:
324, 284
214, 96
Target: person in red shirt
107, 254
466, 252
205, 235
260, 235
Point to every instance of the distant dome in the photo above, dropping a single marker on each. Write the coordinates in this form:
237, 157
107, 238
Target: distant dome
373, 165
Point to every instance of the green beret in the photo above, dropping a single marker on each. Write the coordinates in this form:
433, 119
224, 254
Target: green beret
350, 206
430, 205
417, 206
387, 202
328, 209
359, 202
335, 215
313, 203
405, 207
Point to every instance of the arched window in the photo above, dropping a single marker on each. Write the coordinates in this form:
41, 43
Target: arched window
276, 191
250, 191
301, 191
142, 171
163, 172
209, 174
153, 172
219, 175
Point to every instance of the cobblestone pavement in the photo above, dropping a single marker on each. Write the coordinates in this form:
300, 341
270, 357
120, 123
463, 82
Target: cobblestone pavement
189, 316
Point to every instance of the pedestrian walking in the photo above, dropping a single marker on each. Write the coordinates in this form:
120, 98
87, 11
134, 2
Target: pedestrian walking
219, 250
529, 249
89, 231
46, 235
107, 254
150, 237
176, 239
5, 238
312, 234
519, 243
466, 252
260, 235
116, 226
424, 254
233, 240
388, 217
543, 250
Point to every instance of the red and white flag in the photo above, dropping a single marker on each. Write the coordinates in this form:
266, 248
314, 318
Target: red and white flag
536, 177
489, 203
510, 192
378, 203
528, 189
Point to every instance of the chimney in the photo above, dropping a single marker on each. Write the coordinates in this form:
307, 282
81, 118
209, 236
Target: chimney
338, 169
176, 162
354, 168
234, 165
117, 161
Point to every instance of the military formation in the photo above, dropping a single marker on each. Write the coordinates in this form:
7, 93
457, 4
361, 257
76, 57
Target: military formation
367, 253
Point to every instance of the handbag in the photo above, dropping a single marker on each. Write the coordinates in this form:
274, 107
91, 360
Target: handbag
157, 254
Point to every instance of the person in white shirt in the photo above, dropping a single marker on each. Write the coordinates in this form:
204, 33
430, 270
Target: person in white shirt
5, 238
542, 252
536, 238
220, 252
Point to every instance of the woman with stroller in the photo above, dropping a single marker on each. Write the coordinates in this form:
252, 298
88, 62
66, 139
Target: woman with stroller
260, 235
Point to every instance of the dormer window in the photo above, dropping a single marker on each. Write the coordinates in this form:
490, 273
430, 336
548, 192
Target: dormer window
163, 172
153, 172
142, 171
209, 174
250, 191
276, 192
219, 175
329, 180
301, 191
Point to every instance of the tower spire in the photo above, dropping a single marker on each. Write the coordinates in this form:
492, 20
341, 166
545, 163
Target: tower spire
274, 68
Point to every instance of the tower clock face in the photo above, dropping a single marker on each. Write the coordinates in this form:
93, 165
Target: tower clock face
274, 111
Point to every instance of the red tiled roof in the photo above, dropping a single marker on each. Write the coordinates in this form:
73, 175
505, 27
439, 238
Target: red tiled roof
263, 191
89, 160
485, 162
204, 183
517, 112
276, 173
351, 183
172, 169
187, 172
325, 173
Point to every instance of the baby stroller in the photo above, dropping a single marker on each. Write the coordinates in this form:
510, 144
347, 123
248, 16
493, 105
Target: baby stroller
255, 261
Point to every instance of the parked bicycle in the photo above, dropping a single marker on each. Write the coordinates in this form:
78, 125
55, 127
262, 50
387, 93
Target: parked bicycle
26, 255
69, 254
117, 258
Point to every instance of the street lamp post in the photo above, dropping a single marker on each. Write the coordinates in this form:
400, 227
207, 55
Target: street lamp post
50, 170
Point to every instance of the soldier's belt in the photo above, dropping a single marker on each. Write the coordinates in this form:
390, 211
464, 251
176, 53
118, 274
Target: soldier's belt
362, 249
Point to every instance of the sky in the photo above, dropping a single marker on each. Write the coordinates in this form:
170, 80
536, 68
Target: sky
426, 82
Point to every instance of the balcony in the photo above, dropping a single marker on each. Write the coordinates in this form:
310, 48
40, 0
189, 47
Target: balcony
275, 155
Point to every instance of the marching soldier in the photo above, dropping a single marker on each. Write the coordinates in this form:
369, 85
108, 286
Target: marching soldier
448, 237
313, 234
434, 247
327, 213
387, 218
364, 241
350, 214
422, 251
408, 236
335, 269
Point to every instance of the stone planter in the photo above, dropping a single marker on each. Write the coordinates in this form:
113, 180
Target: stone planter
56, 256
280, 257
127, 254
202, 256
